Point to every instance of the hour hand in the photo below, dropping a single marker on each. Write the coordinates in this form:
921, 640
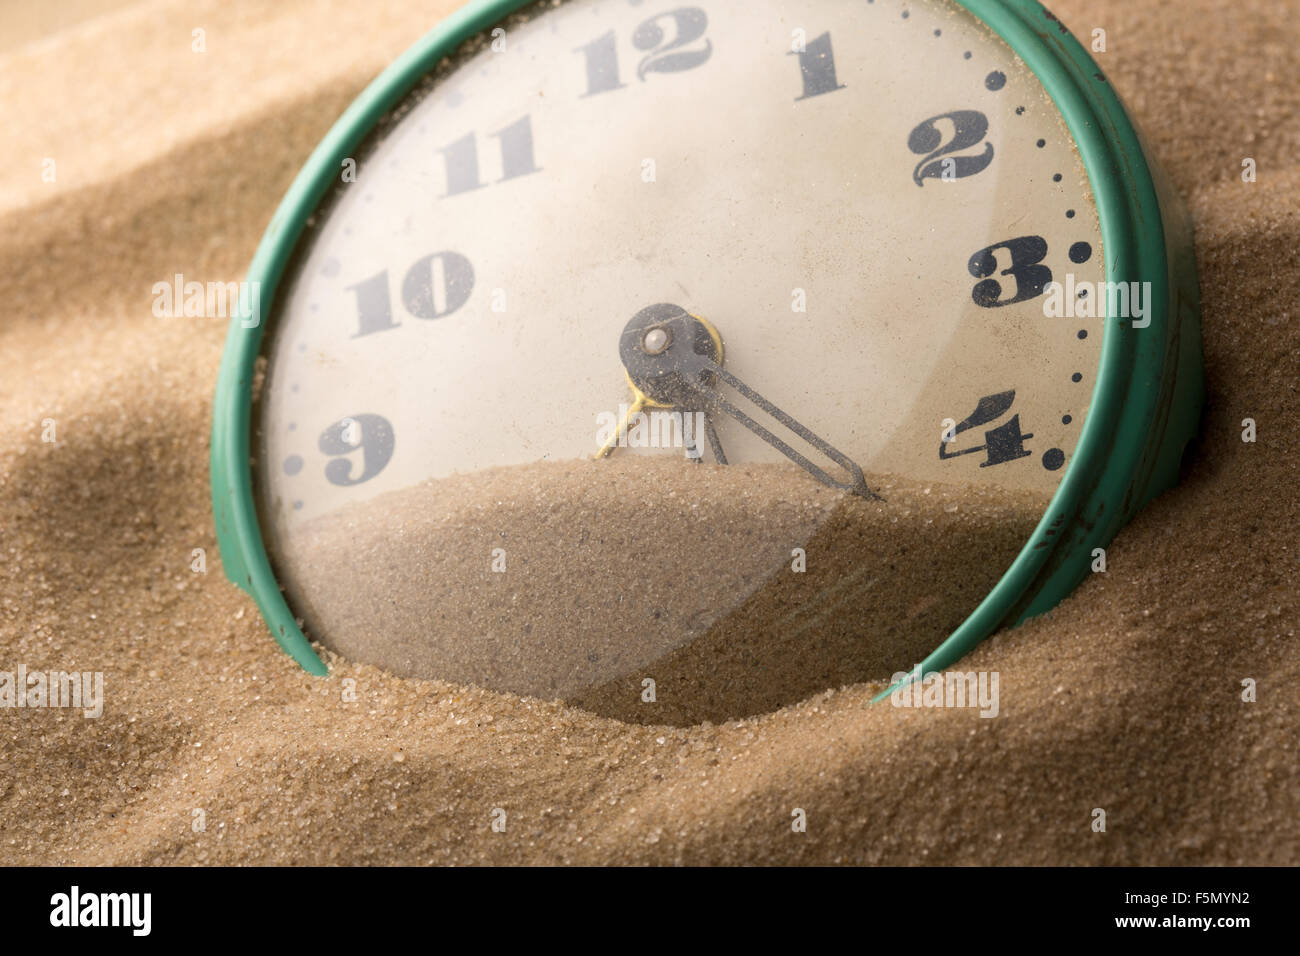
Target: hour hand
690, 436
676, 358
693, 423
639, 403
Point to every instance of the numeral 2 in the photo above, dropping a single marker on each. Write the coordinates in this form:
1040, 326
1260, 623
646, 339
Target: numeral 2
969, 127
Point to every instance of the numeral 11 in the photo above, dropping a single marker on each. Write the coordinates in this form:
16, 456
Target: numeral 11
516, 157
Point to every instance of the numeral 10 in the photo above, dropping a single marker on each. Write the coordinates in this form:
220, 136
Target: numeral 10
434, 286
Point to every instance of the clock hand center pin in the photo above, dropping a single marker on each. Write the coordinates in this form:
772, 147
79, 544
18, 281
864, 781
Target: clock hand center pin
674, 359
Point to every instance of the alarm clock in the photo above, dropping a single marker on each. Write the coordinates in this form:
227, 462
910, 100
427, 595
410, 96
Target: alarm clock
682, 361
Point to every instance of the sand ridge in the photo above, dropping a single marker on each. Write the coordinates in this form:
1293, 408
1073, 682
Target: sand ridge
636, 568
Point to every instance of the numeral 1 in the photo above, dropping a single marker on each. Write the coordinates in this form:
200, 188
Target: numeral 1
602, 64
817, 66
374, 305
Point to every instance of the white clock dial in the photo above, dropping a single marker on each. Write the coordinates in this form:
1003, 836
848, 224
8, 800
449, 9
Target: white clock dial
865, 203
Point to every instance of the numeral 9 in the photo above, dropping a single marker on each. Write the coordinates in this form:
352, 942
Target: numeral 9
372, 435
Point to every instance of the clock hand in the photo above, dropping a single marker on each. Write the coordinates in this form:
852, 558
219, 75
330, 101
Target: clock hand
716, 445
640, 401
675, 358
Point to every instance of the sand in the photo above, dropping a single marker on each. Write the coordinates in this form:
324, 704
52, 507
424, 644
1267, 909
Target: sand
1128, 697
607, 578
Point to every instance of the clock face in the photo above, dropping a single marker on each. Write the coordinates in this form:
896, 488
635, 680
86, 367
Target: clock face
614, 245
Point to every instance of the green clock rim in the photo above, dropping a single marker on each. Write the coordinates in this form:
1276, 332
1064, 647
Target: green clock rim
1111, 448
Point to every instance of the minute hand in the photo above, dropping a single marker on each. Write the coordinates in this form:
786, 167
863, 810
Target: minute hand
711, 396
675, 358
